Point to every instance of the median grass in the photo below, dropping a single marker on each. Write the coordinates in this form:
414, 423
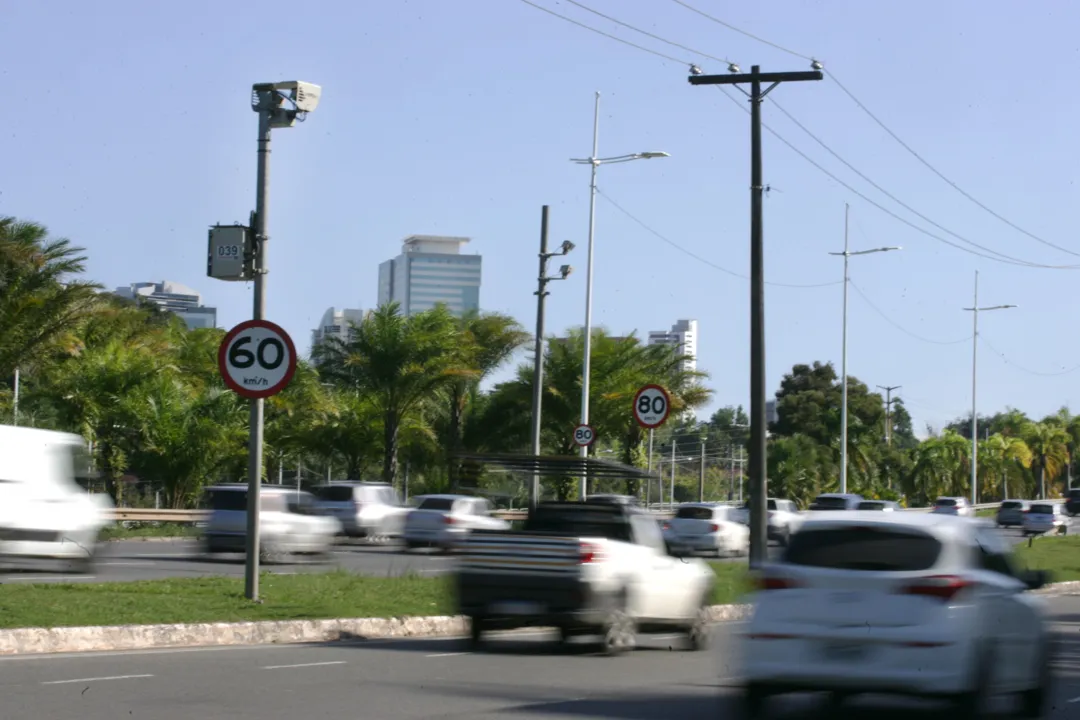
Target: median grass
1058, 554
148, 530
305, 596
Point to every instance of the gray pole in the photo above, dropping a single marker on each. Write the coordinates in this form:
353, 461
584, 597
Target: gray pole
584, 489
538, 363
701, 476
648, 483
406, 482
974, 387
889, 400
672, 495
255, 444
843, 367
731, 474
15, 401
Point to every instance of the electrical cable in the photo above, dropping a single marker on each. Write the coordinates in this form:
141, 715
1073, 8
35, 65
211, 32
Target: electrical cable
697, 257
729, 26
897, 325
1021, 367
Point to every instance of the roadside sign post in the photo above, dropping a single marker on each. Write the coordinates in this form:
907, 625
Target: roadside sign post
584, 435
257, 359
652, 405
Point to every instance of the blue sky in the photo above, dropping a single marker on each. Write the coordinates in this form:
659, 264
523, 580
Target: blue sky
127, 128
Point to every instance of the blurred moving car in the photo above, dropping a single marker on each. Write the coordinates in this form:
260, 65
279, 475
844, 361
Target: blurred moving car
1072, 502
879, 505
707, 528
836, 501
586, 569
289, 523
445, 521
1011, 513
1046, 517
369, 510
44, 513
612, 498
898, 603
784, 518
953, 506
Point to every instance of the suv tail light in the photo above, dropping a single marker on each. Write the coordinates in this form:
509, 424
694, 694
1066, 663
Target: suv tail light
775, 583
714, 528
449, 519
666, 525
942, 587
590, 553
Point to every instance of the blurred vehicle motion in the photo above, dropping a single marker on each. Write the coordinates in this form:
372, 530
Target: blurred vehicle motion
898, 603
586, 569
707, 528
878, 505
1011, 513
1046, 517
445, 521
836, 501
783, 518
369, 510
615, 499
953, 506
44, 512
1072, 502
289, 523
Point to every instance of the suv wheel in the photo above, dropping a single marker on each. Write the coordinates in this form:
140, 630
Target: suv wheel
620, 633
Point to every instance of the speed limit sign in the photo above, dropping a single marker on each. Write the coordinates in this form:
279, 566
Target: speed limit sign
584, 436
651, 406
257, 359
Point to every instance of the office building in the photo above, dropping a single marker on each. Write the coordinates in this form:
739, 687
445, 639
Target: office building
174, 297
336, 323
771, 415
684, 336
431, 270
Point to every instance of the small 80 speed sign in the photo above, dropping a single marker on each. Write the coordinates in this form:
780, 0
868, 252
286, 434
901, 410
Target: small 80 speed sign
584, 436
257, 359
651, 406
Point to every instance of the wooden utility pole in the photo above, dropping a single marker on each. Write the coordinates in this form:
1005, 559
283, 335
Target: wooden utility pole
889, 400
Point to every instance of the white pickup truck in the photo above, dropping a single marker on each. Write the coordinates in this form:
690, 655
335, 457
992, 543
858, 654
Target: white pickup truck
585, 569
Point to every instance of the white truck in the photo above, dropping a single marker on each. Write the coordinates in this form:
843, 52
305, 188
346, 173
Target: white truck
584, 569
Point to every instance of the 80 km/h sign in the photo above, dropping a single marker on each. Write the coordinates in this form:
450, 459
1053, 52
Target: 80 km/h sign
257, 359
584, 436
651, 406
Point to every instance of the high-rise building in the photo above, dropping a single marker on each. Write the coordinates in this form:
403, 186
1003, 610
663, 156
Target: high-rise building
174, 297
336, 323
431, 270
683, 335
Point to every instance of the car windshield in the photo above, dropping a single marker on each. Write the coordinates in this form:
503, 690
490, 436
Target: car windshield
871, 505
234, 500
945, 502
1042, 509
437, 503
334, 493
694, 513
829, 503
1011, 505
881, 549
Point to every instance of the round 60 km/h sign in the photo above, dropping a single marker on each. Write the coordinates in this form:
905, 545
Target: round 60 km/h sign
651, 406
257, 359
584, 436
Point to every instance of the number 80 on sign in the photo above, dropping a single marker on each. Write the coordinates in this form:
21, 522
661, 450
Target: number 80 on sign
584, 435
651, 406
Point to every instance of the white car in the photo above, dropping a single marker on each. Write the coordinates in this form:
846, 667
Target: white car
707, 528
898, 603
288, 523
953, 506
783, 518
1046, 517
445, 521
369, 510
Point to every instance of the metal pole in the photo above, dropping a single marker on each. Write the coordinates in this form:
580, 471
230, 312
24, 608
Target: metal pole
538, 363
255, 445
583, 491
974, 387
281, 469
15, 401
731, 474
648, 483
759, 547
843, 368
406, 481
701, 476
672, 496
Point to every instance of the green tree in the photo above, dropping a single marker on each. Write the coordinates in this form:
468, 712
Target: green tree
1049, 445
1002, 457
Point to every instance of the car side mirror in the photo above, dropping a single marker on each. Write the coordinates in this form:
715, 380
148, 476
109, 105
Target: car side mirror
1035, 579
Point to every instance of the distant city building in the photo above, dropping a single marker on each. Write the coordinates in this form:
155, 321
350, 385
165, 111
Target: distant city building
174, 297
336, 323
682, 335
431, 270
771, 416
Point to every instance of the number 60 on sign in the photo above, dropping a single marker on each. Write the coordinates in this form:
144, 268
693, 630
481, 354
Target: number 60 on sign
257, 359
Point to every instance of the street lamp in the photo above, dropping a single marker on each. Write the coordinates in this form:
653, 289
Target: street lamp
843, 353
975, 310
595, 162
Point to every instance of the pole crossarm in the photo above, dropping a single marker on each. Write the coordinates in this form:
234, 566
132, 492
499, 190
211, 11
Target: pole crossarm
740, 78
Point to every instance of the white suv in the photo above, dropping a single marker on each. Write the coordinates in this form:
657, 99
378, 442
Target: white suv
953, 506
784, 518
369, 510
898, 603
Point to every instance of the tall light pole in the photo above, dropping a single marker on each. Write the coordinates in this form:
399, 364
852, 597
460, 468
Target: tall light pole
975, 310
594, 161
843, 353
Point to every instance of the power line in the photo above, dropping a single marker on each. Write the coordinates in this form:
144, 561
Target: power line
697, 257
897, 325
607, 35
1021, 367
729, 26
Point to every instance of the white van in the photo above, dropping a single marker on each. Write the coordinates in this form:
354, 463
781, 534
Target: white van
44, 513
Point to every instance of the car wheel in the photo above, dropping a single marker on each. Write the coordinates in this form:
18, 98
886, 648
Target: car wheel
620, 634
969, 705
753, 701
476, 634
698, 634
1034, 700
271, 555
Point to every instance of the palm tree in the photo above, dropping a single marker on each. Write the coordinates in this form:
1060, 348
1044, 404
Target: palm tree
998, 455
400, 362
942, 466
1049, 445
40, 302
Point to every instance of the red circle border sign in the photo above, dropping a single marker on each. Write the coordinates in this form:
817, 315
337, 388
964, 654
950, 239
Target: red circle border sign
223, 360
667, 402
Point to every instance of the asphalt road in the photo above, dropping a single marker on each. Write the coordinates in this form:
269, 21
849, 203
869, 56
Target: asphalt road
521, 676
147, 560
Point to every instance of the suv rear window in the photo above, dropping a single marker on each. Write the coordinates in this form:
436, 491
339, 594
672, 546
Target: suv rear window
871, 505
435, 503
863, 548
579, 522
1042, 509
1011, 505
694, 513
829, 503
945, 502
335, 493
235, 500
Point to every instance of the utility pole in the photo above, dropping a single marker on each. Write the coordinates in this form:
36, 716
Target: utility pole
15, 401
889, 400
648, 482
701, 477
759, 546
731, 472
541, 293
672, 496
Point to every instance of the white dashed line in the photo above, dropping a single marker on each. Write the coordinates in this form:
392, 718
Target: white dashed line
1074, 700
97, 679
300, 665
47, 578
434, 655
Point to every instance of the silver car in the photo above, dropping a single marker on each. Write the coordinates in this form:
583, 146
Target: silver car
1046, 517
880, 505
445, 521
1011, 513
953, 506
369, 510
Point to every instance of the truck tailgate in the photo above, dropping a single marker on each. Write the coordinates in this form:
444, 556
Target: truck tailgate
495, 553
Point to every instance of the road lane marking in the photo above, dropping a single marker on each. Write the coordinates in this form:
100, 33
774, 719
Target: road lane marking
300, 665
47, 578
1074, 700
96, 679
453, 654
136, 563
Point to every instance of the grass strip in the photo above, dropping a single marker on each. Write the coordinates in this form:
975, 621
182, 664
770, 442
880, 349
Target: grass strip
1058, 554
162, 530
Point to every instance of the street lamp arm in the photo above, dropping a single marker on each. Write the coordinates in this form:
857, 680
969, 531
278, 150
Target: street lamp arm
620, 158
865, 252
989, 307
